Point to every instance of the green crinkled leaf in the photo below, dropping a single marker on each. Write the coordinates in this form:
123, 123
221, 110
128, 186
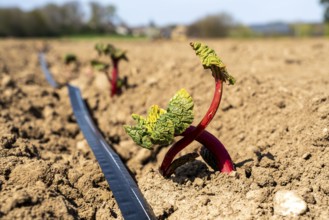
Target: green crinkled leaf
152, 130
139, 136
139, 119
180, 110
112, 51
103, 49
160, 126
147, 143
98, 65
119, 54
163, 131
207, 55
154, 114
210, 60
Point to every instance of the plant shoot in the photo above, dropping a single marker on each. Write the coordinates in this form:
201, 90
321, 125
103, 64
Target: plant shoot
160, 126
116, 56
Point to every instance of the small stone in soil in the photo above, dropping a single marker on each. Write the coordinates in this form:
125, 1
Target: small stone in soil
234, 174
289, 203
306, 156
83, 146
6, 81
198, 182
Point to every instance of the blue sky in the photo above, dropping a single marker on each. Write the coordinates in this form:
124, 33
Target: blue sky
164, 12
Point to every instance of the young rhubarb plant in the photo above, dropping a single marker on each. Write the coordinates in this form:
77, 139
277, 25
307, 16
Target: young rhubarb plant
161, 126
116, 56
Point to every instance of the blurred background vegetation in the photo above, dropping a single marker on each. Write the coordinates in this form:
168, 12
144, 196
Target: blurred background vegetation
68, 19
57, 20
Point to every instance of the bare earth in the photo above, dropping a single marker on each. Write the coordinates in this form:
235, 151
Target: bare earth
274, 122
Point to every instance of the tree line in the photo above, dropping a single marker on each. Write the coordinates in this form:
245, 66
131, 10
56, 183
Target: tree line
70, 19
56, 20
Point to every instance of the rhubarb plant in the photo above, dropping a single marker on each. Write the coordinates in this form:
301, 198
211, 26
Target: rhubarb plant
160, 126
116, 56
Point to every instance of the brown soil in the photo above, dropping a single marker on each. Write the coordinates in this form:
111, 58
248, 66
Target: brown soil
274, 122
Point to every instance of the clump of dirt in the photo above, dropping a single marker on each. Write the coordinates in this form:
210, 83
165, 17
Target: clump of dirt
274, 123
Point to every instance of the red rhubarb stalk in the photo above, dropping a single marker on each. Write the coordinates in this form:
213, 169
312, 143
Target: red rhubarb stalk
224, 161
114, 79
193, 134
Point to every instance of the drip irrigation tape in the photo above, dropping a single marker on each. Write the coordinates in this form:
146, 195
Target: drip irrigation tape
129, 198
46, 72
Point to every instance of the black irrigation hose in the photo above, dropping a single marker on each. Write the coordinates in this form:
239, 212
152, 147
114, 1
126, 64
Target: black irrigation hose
43, 64
126, 192
129, 198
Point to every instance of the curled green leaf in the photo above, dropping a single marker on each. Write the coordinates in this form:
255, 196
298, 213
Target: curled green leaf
101, 49
163, 131
112, 51
154, 114
210, 60
98, 65
118, 54
139, 135
160, 125
180, 109
155, 129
